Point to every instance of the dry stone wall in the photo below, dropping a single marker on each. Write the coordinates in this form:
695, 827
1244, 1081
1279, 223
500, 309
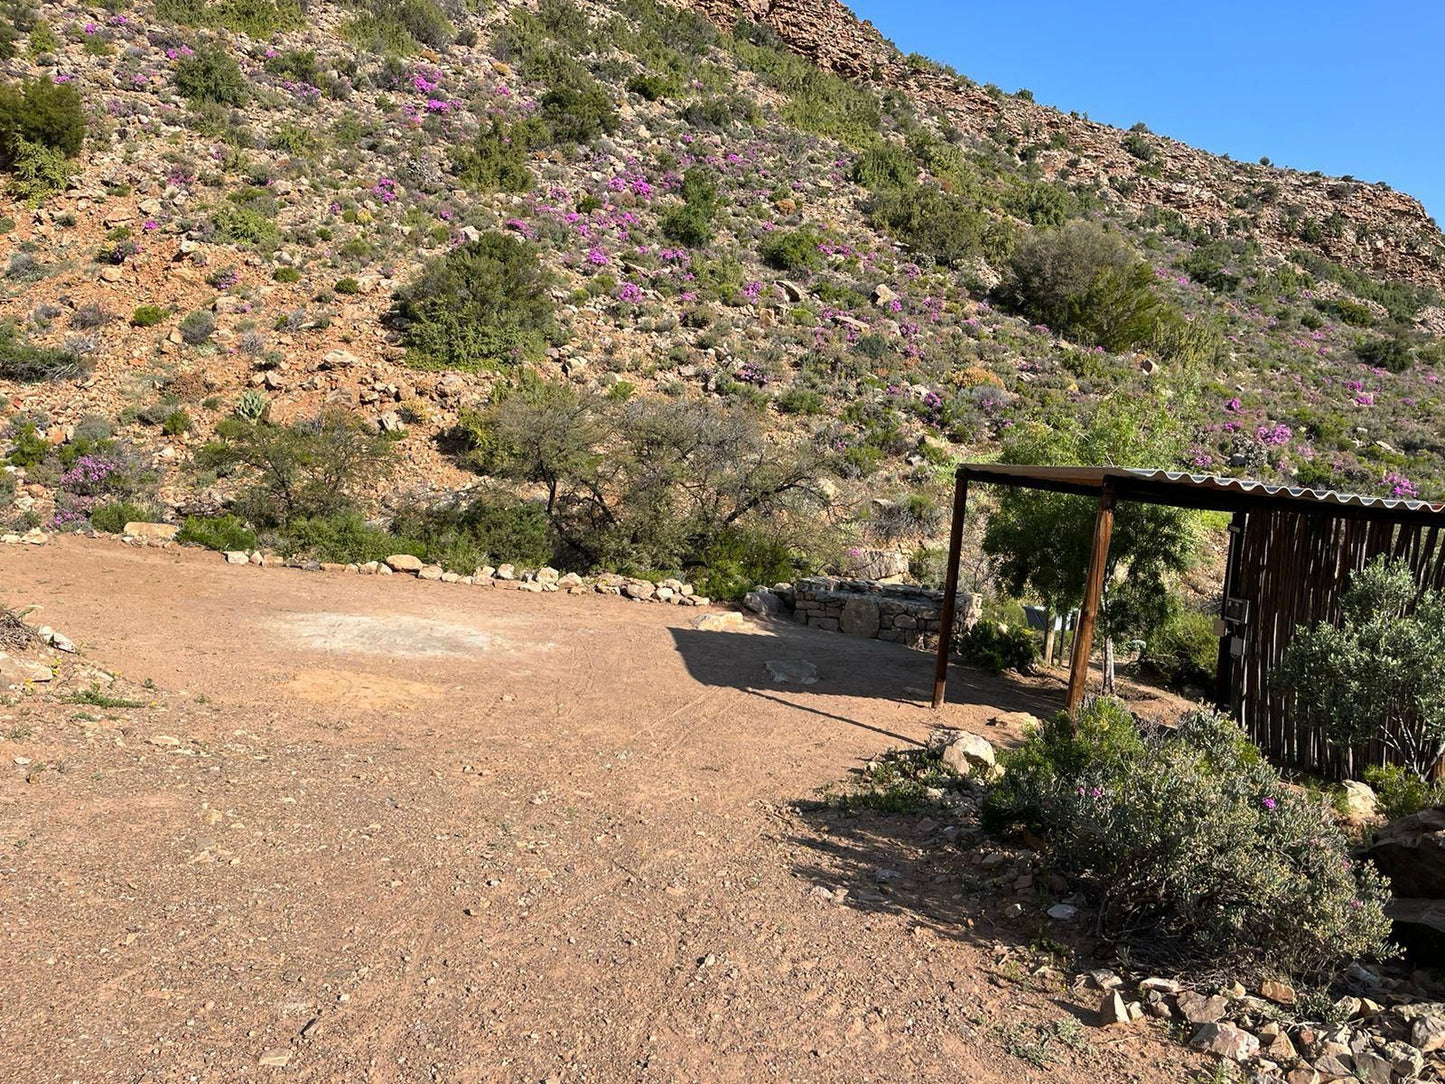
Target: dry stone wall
896, 612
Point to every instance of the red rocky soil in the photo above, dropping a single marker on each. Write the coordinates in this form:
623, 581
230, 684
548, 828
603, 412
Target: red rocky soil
385, 830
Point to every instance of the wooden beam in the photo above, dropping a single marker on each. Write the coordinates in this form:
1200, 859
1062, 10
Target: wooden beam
1093, 591
1224, 668
950, 589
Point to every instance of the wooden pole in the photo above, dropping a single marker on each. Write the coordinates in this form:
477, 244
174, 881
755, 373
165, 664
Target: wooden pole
950, 588
1093, 590
1224, 669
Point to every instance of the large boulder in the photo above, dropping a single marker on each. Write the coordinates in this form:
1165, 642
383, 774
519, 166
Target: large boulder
967, 754
860, 617
1411, 852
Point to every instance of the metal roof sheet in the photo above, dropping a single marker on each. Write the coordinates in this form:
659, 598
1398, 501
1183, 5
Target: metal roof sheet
1209, 490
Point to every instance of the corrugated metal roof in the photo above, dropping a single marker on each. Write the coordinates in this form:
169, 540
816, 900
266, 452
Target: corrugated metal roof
1201, 490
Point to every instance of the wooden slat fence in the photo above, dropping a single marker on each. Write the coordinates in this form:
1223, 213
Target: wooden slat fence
1293, 570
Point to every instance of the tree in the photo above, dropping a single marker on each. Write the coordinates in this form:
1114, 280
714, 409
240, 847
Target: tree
312, 468
641, 484
1379, 675
1086, 283
1042, 540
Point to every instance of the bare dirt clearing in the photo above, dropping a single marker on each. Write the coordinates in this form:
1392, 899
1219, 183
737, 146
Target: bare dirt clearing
411, 831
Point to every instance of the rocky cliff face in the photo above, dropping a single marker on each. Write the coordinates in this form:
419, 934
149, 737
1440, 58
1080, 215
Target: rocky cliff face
1366, 226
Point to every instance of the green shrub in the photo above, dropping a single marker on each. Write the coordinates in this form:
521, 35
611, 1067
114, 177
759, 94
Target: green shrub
224, 532
251, 404
692, 223
1183, 653
1138, 146
997, 647
1085, 283
317, 468
1395, 352
211, 75
286, 275
1194, 849
37, 172
26, 363
27, 446
176, 423
1379, 673
347, 286
112, 516
464, 537
147, 316
497, 160
738, 560
949, 228
40, 112
197, 327
246, 225
791, 250
578, 111
650, 87
1400, 792
482, 304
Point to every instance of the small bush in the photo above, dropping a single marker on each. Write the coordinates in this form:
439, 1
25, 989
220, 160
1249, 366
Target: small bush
217, 533
1394, 353
198, 327
37, 172
463, 537
147, 316
286, 275
578, 111
41, 112
997, 647
1194, 849
497, 160
791, 250
176, 423
1183, 653
26, 363
482, 304
347, 286
112, 516
212, 75
246, 225
1400, 792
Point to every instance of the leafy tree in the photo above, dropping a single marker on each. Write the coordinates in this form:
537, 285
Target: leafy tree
485, 303
1086, 283
315, 468
1042, 540
644, 484
1379, 675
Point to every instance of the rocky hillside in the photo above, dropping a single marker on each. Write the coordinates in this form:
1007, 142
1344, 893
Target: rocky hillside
763, 210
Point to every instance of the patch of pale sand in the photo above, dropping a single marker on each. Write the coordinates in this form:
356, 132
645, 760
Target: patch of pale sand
364, 634
356, 690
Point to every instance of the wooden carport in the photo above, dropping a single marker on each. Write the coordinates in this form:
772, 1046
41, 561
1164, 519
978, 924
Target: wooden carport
1291, 554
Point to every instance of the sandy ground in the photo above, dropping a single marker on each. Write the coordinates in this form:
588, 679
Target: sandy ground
413, 831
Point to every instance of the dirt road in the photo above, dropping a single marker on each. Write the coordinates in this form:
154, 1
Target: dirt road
376, 829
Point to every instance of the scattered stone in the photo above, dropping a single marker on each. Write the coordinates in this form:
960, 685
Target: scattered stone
166, 741
505, 572
1063, 912
237, 557
724, 622
276, 1059
762, 602
1227, 1041
860, 617
1112, 1010
404, 562
640, 590
1358, 799
15, 671
969, 755
1020, 719
1198, 1009
792, 671
429, 572
1280, 993
1427, 1032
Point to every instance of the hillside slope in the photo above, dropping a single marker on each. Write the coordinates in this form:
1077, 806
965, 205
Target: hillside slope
768, 211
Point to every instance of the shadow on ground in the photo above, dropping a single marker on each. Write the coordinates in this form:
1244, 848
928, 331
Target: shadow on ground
854, 668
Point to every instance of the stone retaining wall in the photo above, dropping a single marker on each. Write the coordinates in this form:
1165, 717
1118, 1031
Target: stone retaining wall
899, 613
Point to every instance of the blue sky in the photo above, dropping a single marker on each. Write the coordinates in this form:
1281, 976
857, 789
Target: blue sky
1342, 87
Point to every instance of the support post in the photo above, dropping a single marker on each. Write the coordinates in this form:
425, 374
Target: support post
1224, 670
950, 588
1093, 590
